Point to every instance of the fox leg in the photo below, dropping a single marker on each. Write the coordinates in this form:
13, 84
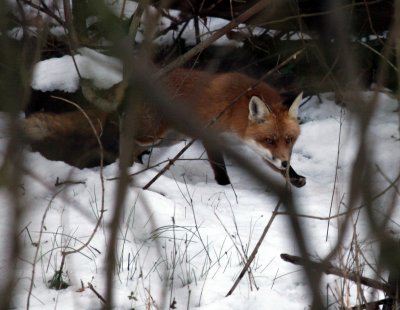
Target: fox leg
139, 158
216, 159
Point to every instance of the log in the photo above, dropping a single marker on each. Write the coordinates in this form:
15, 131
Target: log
328, 268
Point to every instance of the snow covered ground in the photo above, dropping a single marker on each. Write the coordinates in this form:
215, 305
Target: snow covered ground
186, 236
184, 240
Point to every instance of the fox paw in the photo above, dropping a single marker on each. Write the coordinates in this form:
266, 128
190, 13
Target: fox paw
298, 181
222, 179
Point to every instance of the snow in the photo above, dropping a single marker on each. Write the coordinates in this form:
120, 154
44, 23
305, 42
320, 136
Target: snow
64, 72
183, 239
207, 26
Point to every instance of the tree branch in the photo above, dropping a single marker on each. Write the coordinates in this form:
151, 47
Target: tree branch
328, 268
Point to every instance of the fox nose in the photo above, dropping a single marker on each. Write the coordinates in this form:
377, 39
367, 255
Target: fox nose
284, 164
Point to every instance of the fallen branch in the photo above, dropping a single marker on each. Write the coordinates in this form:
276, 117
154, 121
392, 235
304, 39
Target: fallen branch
328, 268
67, 182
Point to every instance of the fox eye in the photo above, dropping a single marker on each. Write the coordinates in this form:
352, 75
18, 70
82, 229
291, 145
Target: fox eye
270, 141
289, 140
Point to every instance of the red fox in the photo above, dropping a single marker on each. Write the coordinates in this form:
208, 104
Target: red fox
255, 112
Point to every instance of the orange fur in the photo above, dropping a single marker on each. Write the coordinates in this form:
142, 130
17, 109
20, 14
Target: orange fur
268, 127
210, 94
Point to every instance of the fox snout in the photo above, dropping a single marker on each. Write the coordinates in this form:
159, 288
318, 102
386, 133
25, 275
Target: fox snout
278, 163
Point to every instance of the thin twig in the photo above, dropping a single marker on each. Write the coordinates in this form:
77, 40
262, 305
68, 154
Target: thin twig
336, 170
386, 59
253, 254
380, 194
43, 8
243, 256
38, 248
96, 293
101, 150
196, 225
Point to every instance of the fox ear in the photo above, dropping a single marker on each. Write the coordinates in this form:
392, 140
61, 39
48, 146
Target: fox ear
258, 111
294, 108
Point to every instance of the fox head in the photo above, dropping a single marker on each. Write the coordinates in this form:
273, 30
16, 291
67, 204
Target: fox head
272, 133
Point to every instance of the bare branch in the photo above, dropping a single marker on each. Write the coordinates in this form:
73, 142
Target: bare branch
328, 268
